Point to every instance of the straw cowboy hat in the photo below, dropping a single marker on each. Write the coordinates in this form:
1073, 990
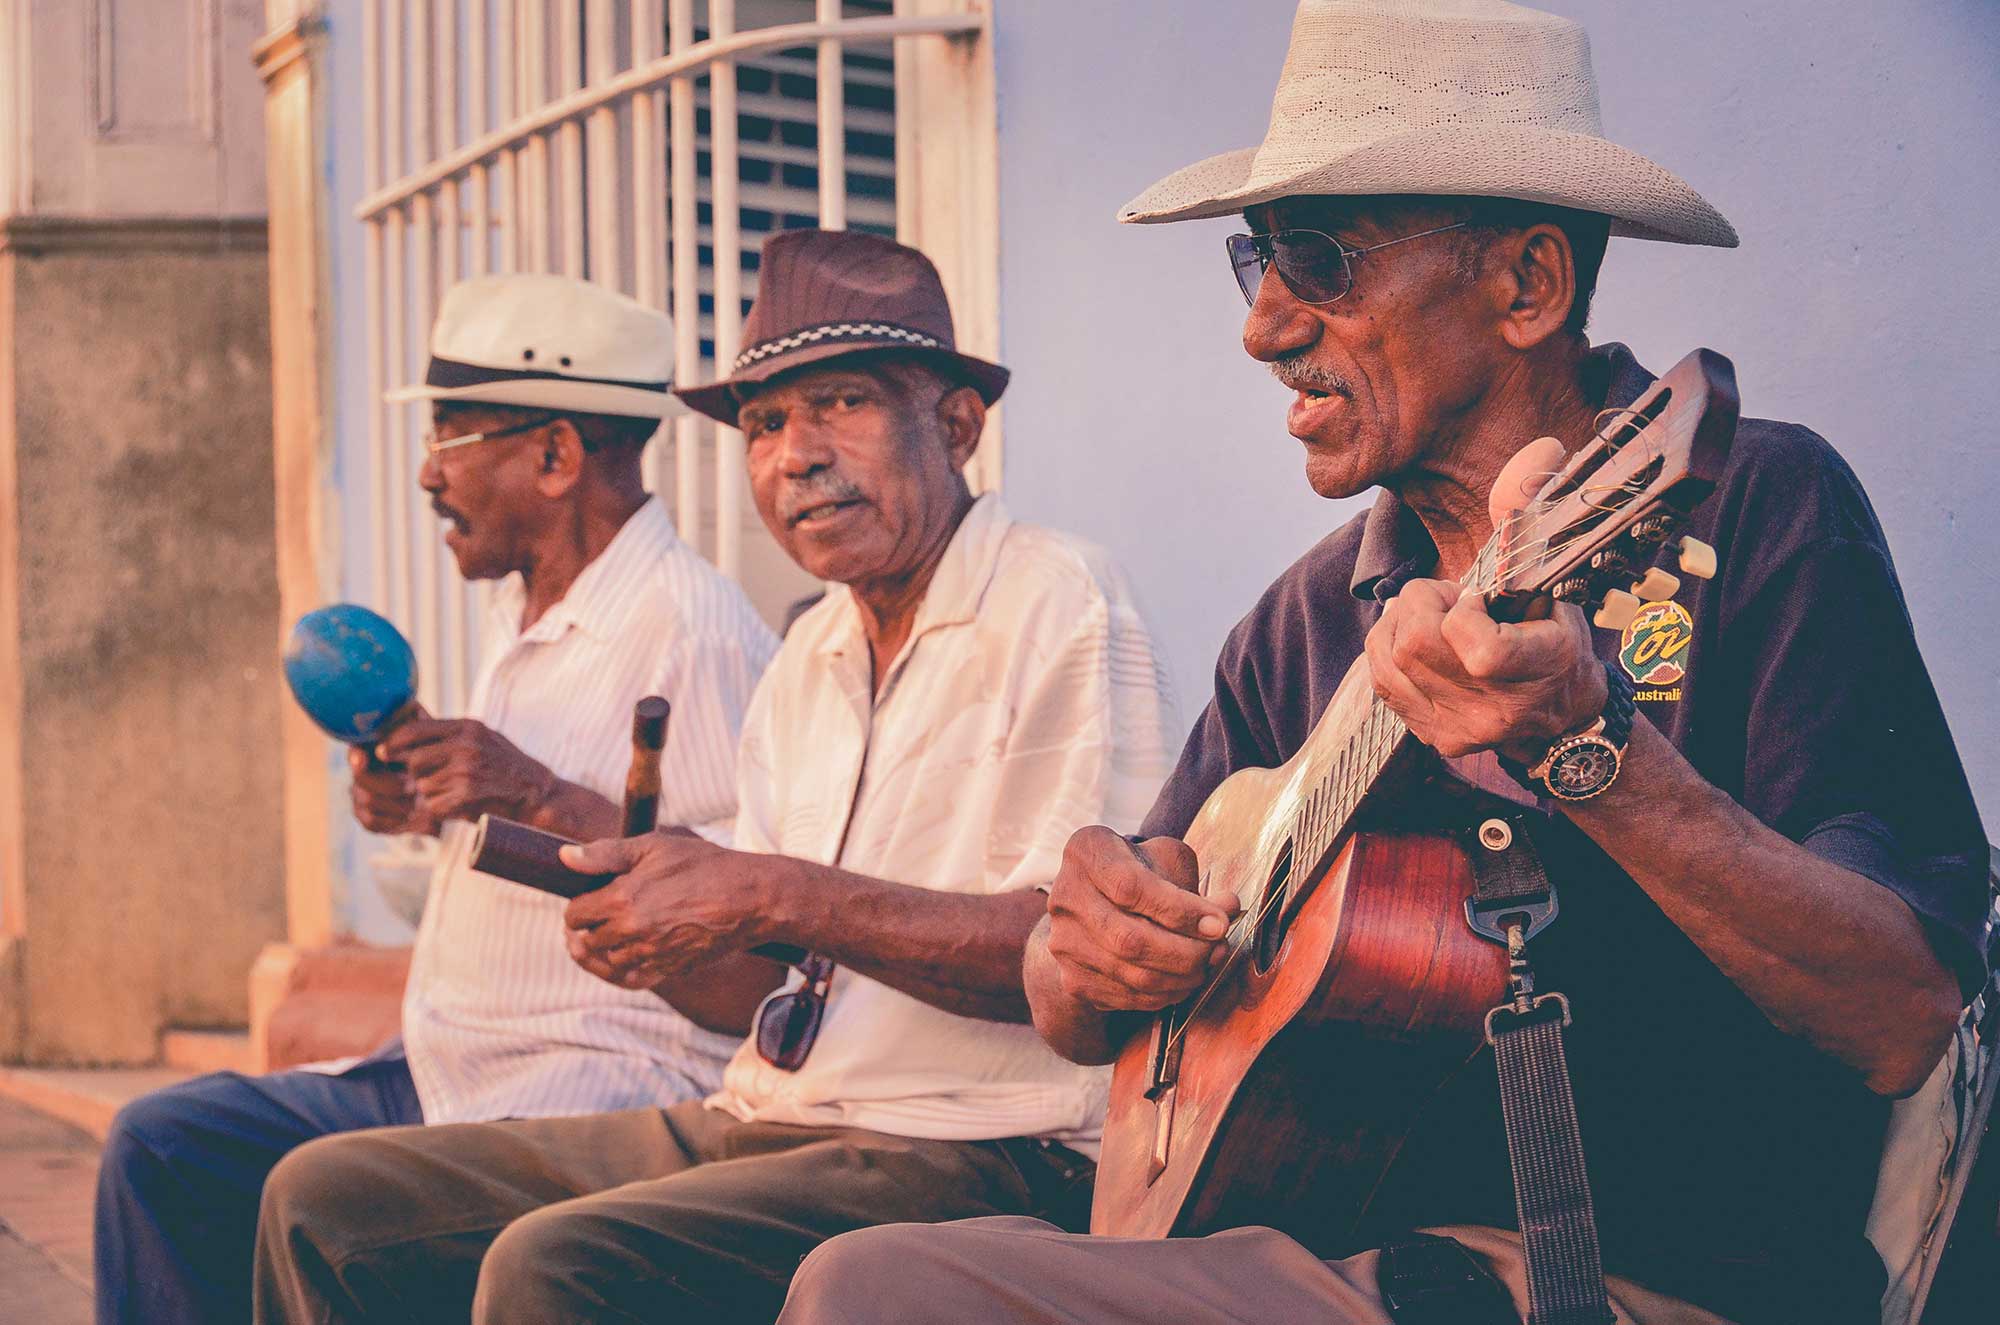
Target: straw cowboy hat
1439, 97
825, 294
549, 342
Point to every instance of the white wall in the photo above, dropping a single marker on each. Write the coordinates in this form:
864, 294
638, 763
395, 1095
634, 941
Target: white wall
1856, 147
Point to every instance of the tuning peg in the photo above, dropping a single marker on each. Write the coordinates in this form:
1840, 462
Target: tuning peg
1617, 610
1697, 559
1657, 585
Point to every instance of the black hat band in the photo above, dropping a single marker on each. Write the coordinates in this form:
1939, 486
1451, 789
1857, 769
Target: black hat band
451, 374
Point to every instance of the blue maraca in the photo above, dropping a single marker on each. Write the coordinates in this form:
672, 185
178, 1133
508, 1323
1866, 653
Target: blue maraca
351, 671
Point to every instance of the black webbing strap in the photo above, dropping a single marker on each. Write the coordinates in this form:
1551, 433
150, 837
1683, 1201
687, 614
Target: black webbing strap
1513, 901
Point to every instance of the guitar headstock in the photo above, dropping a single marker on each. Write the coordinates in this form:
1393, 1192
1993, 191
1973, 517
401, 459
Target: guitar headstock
1590, 534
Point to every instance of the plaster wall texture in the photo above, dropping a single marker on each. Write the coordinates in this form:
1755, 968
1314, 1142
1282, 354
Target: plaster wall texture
1856, 147
149, 796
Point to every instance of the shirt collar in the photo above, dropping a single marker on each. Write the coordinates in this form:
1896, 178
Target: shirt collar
601, 598
956, 589
1395, 546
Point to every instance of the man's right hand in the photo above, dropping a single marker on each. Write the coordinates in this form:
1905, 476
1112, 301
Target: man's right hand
385, 798
1127, 929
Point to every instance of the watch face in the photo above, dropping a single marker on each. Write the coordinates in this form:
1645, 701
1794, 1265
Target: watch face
1582, 768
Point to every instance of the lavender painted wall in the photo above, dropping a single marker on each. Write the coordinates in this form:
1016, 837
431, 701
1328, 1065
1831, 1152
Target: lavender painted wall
1855, 146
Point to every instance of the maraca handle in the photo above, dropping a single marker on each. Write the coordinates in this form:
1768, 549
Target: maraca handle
402, 715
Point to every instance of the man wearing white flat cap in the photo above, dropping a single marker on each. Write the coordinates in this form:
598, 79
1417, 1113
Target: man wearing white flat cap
543, 393
1770, 871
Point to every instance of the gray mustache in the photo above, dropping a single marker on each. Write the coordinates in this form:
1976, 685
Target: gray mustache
1298, 375
804, 494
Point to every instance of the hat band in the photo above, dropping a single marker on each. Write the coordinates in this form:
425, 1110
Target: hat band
451, 374
835, 331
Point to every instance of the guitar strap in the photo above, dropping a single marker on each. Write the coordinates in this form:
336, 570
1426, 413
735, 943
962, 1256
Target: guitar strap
1512, 901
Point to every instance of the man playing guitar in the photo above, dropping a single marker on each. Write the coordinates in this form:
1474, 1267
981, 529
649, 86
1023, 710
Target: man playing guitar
1768, 906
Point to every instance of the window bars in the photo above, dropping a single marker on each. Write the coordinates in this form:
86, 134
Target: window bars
650, 145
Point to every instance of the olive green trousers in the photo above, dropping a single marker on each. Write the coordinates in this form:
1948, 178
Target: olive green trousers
681, 1214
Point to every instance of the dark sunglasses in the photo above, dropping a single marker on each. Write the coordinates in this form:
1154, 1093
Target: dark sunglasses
788, 1023
1315, 267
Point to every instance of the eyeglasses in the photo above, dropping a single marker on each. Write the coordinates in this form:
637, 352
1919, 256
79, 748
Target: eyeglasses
1315, 267
433, 446
788, 1023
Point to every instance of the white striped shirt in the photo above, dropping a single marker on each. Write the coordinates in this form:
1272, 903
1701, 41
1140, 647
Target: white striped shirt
1028, 702
498, 1021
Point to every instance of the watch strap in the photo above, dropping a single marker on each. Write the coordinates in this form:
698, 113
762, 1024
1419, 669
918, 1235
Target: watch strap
1620, 706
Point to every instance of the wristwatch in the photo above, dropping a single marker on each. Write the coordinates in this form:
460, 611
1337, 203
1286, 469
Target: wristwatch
1584, 764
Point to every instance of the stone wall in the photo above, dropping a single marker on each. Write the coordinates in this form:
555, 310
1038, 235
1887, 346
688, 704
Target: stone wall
139, 691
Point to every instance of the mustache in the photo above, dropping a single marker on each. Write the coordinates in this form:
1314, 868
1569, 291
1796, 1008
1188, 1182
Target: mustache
801, 495
1298, 375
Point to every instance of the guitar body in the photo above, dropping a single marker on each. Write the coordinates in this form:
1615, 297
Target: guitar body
1296, 1079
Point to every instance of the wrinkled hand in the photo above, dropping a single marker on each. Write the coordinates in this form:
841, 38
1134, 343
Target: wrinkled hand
1463, 682
1126, 929
460, 769
384, 798
679, 902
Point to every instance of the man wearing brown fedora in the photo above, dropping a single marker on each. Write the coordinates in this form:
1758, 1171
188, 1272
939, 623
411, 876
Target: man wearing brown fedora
1770, 866
924, 743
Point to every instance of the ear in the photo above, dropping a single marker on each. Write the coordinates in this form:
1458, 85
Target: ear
561, 459
1539, 283
963, 415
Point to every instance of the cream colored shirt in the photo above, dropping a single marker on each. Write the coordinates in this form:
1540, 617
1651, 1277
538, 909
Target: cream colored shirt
498, 1022
1028, 702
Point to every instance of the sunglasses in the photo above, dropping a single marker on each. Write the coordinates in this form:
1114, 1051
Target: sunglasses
788, 1023
1315, 267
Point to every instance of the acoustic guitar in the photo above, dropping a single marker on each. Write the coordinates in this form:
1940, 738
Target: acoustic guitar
1354, 986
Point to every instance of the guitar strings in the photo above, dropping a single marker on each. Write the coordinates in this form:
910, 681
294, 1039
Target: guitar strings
1249, 922
1504, 565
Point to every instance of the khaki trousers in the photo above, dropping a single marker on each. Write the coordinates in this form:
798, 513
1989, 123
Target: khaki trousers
682, 1214
1024, 1272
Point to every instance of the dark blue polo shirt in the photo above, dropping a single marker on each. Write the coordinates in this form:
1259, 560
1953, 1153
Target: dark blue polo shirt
1732, 1165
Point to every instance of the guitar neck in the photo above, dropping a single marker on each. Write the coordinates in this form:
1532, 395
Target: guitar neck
1372, 747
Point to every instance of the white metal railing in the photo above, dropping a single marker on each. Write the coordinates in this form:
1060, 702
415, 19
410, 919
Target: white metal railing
564, 135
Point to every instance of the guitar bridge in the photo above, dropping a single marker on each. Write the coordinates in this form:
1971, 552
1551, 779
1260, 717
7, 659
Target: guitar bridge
1166, 1073
1166, 1053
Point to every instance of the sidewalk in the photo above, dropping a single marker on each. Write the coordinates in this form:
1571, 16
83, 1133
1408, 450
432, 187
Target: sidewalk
48, 1175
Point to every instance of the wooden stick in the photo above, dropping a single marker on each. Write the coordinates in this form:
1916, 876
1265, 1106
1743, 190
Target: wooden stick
642, 779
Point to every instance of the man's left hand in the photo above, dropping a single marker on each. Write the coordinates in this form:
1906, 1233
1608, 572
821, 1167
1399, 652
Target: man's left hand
1463, 682
679, 902
462, 768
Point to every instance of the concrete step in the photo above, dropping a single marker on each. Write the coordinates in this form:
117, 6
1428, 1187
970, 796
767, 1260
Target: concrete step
88, 1098
200, 1051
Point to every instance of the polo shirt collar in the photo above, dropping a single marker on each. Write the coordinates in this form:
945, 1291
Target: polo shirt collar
963, 575
1395, 546
601, 598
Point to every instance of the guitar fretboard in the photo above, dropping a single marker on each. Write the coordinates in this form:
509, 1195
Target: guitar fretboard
1324, 816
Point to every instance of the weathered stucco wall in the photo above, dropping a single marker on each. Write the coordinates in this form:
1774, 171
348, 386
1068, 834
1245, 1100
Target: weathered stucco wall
151, 867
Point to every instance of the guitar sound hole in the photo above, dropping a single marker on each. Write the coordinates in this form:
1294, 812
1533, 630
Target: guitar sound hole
1273, 916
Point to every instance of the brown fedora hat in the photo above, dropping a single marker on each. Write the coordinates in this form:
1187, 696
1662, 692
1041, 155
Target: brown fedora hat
824, 294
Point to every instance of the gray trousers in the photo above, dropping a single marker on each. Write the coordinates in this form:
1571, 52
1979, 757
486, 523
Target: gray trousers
682, 1214
1024, 1272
